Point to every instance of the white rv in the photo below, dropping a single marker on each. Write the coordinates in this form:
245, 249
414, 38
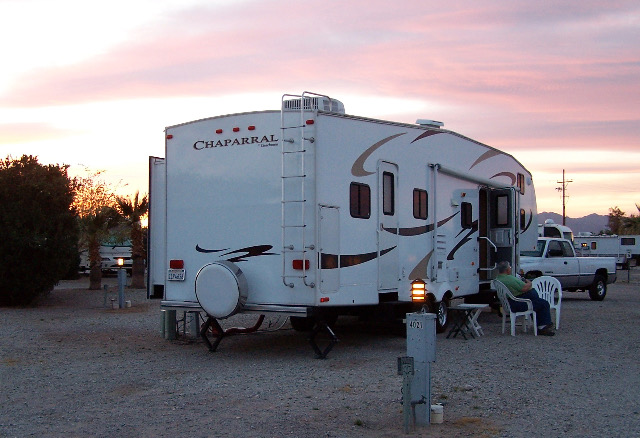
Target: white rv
623, 248
551, 229
312, 213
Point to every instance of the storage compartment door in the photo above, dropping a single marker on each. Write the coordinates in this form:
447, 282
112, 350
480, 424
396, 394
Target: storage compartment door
329, 248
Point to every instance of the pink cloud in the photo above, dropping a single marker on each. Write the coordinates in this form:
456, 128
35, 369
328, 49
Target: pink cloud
547, 66
12, 133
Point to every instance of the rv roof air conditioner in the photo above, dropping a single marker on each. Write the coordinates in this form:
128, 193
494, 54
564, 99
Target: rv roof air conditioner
429, 123
321, 103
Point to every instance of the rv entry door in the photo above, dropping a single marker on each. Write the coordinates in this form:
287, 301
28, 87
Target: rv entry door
497, 229
387, 226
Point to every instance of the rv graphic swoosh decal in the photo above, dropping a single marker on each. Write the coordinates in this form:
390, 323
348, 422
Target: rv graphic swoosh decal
530, 220
207, 251
420, 271
508, 175
242, 254
465, 239
330, 261
426, 134
358, 166
485, 156
416, 231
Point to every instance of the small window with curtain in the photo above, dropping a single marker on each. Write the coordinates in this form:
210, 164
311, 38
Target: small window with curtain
420, 204
360, 200
521, 183
388, 194
466, 215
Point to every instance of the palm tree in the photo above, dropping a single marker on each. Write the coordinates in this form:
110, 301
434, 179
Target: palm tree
131, 211
94, 229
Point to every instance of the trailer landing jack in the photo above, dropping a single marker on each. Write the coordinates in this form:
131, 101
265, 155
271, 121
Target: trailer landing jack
321, 325
219, 332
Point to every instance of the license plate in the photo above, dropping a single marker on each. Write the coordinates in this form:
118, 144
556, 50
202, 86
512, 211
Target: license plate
175, 275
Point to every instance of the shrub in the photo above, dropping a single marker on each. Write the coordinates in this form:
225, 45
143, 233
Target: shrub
38, 228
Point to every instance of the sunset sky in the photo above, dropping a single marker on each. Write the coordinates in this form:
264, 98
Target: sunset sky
554, 83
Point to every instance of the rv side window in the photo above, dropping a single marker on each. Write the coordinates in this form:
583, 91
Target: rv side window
594, 245
388, 189
523, 219
627, 241
420, 204
521, 183
360, 200
466, 212
502, 215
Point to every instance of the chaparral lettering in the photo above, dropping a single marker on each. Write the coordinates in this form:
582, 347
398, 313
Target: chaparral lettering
265, 140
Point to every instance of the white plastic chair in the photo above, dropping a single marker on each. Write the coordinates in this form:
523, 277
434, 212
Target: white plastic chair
504, 294
549, 288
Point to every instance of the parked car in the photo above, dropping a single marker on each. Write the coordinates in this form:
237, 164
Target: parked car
557, 258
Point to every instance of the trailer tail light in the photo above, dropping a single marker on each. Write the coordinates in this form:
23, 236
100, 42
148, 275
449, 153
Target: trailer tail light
218, 131
252, 128
176, 264
169, 136
297, 264
310, 122
324, 299
236, 129
418, 291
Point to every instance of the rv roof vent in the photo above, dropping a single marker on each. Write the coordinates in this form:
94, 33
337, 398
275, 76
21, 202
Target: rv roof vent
429, 123
316, 103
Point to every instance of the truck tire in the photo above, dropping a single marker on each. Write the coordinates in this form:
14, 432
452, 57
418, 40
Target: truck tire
441, 309
598, 289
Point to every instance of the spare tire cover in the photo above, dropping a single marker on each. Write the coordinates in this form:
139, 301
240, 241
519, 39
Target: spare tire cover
221, 289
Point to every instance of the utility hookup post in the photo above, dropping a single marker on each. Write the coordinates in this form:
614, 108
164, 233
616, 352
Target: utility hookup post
416, 368
122, 279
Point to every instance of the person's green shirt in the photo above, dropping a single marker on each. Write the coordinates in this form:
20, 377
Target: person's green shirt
513, 283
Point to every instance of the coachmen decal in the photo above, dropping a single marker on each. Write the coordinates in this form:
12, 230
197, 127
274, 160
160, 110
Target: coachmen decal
264, 141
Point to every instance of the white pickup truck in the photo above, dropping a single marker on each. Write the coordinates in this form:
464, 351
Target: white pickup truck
557, 258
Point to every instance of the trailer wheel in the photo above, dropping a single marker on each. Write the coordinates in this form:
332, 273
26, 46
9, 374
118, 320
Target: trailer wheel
441, 309
598, 289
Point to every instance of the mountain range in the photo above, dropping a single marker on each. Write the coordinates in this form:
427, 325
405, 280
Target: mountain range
593, 223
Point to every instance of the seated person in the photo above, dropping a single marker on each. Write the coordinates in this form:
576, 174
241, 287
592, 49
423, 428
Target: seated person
524, 289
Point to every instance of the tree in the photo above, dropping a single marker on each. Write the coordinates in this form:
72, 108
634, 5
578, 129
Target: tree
95, 203
631, 224
131, 211
38, 228
615, 220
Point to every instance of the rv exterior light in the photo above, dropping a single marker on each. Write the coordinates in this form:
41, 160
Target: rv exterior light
418, 291
218, 131
169, 136
310, 122
252, 128
176, 264
324, 299
236, 129
120, 261
297, 264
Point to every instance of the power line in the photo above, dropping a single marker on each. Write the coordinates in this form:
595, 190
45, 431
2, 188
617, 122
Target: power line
564, 183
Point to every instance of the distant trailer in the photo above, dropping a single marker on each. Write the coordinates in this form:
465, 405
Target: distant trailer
625, 248
551, 229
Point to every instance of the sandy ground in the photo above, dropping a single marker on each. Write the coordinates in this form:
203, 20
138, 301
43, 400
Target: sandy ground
72, 366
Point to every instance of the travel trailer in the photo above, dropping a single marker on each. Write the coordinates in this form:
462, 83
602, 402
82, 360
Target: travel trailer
551, 229
312, 213
623, 248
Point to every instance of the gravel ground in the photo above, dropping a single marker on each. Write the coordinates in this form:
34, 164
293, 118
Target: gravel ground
72, 367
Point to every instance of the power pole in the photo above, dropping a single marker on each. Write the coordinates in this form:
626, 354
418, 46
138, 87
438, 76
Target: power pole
564, 183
